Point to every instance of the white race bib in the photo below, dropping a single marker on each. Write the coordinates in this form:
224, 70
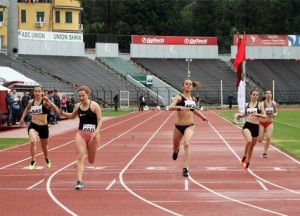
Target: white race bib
269, 110
36, 109
190, 104
251, 110
89, 127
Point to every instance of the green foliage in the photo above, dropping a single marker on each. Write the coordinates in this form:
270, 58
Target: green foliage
221, 18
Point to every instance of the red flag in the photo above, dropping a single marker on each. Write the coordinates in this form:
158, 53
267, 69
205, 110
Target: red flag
240, 57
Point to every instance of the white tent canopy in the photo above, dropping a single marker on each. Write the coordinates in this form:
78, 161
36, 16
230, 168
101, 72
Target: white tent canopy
2, 88
8, 75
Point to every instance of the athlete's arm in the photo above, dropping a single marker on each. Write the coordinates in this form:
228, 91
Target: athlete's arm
174, 107
70, 115
97, 111
199, 114
25, 112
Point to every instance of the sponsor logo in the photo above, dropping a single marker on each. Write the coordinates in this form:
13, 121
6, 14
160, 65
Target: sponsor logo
153, 40
82, 114
195, 41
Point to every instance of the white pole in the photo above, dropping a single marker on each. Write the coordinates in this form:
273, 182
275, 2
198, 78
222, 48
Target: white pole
221, 93
273, 90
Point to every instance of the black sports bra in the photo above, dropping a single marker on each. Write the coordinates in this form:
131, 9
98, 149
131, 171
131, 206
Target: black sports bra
249, 110
190, 104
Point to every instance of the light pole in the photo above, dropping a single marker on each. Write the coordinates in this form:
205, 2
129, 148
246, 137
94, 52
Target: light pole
188, 72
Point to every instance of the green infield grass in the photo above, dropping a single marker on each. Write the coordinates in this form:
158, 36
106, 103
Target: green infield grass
286, 134
8, 142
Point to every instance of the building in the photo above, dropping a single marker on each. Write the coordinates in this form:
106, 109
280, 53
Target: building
43, 15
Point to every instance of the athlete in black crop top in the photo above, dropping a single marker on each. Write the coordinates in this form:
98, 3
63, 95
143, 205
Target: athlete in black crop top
38, 127
253, 111
87, 137
185, 106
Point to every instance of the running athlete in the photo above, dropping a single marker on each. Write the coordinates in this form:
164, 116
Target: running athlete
38, 126
253, 112
87, 137
266, 125
184, 129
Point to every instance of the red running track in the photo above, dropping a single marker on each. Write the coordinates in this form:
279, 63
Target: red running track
134, 174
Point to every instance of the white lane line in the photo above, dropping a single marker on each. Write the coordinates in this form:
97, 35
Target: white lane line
36, 184
70, 142
286, 124
133, 159
111, 184
186, 184
262, 185
234, 200
272, 146
48, 185
249, 170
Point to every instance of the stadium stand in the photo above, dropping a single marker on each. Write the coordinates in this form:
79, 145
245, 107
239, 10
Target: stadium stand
208, 72
285, 74
84, 71
120, 66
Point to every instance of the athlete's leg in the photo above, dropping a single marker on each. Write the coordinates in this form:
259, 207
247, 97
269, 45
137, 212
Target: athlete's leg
251, 147
248, 138
44, 145
261, 133
33, 138
269, 132
92, 149
177, 137
81, 148
188, 134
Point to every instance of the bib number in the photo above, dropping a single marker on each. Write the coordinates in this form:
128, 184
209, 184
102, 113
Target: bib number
251, 110
269, 110
89, 127
190, 105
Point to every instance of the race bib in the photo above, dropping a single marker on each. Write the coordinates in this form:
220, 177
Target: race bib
36, 109
269, 110
190, 104
89, 127
251, 110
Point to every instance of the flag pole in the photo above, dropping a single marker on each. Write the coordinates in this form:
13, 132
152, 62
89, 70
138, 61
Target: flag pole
244, 67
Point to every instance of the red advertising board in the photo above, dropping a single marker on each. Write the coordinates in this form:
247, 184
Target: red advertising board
173, 40
263, 40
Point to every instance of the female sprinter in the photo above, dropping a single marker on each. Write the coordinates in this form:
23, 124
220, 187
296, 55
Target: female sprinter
266, 125
253, 112
38, 126
185, 106
87, 137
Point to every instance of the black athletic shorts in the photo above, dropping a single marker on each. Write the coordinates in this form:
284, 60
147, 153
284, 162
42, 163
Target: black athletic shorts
42, 130
254, 128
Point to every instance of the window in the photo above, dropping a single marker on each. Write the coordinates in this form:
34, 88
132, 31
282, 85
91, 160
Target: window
40, 16
68, 17
57, 16
23, 16
1, 16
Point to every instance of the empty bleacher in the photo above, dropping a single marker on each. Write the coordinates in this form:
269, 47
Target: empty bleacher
208, 72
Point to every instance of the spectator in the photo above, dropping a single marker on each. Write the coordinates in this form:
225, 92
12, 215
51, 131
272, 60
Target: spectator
57, 103
116, 101
70, 104
52, 116
142, 103
24, 103
63, 103
15, 110
230, 100
9, 102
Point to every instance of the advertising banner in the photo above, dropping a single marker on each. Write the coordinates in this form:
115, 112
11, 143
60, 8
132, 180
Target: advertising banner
263, 40
173, 40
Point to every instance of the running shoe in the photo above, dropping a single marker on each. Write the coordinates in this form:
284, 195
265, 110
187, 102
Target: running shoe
48, 163
79, 185
265, 155
243, 161
32, 165
246, 166
175, 155
185, 172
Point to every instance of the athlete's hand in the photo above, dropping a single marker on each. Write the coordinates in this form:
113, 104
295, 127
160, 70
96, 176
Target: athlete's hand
94, 135
21, 122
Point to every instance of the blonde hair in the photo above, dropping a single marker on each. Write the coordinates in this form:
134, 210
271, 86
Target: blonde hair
196, 84
84, 88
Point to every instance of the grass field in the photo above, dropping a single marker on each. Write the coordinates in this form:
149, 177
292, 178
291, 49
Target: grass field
286, 134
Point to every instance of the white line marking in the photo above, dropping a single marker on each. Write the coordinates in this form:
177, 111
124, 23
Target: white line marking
262, 185
186, 184
249, 170
279, 169
48, 185
133, 159
111, 184
286, 124
36, 184
234, 200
